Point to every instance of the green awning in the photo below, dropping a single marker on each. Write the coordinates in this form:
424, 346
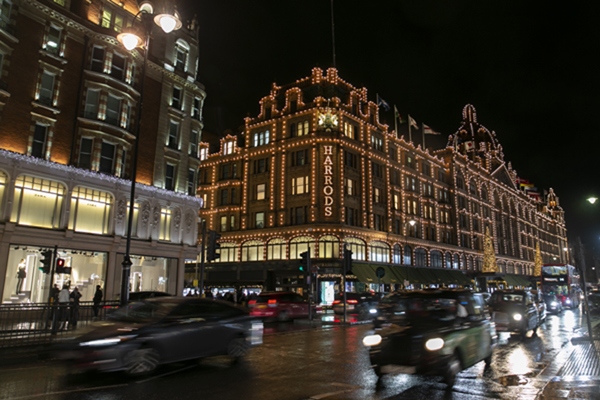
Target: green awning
459, 277
392, 274
364, 273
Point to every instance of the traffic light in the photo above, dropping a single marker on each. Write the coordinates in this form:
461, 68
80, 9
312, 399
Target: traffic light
46, 261
305, 261
347, 263
60, 267
213, 246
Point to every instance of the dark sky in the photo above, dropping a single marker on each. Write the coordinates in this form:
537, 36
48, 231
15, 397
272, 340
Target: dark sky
531, 69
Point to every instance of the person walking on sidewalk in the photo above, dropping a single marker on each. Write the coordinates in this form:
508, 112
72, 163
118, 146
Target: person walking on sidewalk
74, 297
97, 300
63, 306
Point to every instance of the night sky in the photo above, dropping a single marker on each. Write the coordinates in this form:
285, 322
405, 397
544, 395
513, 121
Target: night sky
531, 70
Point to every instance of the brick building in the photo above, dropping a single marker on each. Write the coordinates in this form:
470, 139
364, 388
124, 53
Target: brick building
69, 96
316, 171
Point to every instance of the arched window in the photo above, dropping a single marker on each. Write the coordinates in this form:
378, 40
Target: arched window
407, 255
397, 254
299, 245
436, 258
463, 262
276, 249
90, 212
329, 247
484, 193
253, 250
420, 258
448, 260
358, 248
37, 202
228, 252
379, 251
456, 263
502, 267
473, 189
460, 181
3, 179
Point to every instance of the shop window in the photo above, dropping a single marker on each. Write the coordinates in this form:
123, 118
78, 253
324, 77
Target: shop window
299, 245
379, 251
358, 248
276, 249
253, 250
151, 274
90, 211
228, 253
37, 202
329, 247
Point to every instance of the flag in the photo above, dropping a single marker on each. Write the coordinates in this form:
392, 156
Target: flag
383, 103
412, 122
469, 145
397, 115
427, 130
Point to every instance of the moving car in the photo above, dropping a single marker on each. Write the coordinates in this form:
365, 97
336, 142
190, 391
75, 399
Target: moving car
356, 303
282, 306
553, 304
430, 332
149, 294
514, 311
139, 337
594, 300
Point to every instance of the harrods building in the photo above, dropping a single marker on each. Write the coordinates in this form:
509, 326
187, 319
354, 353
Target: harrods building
69, 98
316, 171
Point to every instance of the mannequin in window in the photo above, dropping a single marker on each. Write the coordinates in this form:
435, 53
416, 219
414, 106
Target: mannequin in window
21, 275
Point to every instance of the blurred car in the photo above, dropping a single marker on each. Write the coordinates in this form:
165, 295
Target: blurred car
540, 304
514, 311
139, 337
149, 294
282, 306
593, 300
430, 332
356, 303
553, 304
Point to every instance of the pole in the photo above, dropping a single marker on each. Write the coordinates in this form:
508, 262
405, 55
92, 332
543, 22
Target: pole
202, 257
409, 133
333, 34
423, 134
581, 268
309, 284
396, 121
52, 273
124, 297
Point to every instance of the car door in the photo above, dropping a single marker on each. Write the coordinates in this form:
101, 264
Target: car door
531, 311
296, 304
477, 340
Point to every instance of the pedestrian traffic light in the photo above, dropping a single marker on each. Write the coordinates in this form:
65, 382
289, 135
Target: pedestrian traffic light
46, 261
60, 267
213, 246
304, 261
347, 262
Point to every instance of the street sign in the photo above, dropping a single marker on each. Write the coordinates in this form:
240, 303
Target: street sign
314, 269
380, 272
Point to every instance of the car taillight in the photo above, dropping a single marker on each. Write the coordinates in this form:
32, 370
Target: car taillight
336, 302
352, 301
252, 303
272, 303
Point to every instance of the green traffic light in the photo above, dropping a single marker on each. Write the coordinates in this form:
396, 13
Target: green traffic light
301, 268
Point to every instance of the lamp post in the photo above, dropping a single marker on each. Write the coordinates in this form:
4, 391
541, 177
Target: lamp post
130, 39
412, 223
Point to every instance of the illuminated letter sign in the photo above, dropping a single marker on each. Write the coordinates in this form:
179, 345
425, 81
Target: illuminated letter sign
328, 176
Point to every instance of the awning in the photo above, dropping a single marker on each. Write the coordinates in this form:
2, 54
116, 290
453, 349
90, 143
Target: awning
460, 277
393, 275
364, 273
515, 280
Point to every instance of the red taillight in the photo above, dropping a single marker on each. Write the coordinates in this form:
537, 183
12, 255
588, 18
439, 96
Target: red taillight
272, 303
252, 302
336, 302
352, 301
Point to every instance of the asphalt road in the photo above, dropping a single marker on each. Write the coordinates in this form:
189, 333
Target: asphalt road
327, 363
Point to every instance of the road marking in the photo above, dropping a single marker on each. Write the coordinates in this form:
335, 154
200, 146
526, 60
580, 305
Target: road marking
70, 391
167, 374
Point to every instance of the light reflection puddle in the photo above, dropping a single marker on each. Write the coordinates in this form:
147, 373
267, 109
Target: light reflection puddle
513, 380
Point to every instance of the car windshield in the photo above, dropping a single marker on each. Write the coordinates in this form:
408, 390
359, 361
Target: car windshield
507, 297
424, 309
143, 311
549, 297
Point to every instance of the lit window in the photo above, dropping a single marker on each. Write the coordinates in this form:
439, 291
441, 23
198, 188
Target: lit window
377, 195
261, 138
193, 149
196, 108
223, 223
260, 191
349, 187
396, 202
228, 148
106, 18
37, 202
52, 44
113, 110
165, 224
203, 153
300, 185
260, 220
176, 102
90, 211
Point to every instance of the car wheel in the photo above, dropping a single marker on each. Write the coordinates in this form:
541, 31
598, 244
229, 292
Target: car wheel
283, 316
452, 370
238, 348
141, 361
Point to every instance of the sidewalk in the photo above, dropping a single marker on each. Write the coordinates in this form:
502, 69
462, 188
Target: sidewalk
575, 373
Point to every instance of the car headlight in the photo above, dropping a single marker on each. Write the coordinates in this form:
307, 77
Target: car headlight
434, 344
568, 301
108, 341
373, 311
554, 304
517, 317
371, 340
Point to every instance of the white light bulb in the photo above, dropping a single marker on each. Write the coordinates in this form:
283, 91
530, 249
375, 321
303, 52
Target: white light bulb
130, 41
167, 23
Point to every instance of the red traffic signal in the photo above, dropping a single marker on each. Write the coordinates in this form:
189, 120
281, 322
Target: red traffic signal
60, 267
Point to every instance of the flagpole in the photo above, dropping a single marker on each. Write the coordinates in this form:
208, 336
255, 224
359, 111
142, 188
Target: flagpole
396, 120
409, 124
423, 134
333, 34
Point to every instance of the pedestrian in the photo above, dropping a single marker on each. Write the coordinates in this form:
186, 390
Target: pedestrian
21, 275
97, 300
54, 294
74, 297
63, 306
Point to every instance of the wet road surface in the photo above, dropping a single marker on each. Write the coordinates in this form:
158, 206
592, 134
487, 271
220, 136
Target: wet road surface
297, 363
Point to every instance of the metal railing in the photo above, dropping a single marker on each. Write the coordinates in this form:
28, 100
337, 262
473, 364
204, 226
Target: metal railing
40, 323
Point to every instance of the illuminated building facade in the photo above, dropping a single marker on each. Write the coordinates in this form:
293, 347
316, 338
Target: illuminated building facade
69, 96
316, 171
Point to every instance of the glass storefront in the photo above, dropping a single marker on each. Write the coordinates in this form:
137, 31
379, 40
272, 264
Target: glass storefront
149, 274
26, 283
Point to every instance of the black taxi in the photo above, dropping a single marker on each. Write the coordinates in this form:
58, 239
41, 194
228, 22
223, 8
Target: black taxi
430, 332
515, 311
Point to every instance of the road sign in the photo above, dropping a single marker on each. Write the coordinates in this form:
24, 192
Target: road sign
380, 272
314, 269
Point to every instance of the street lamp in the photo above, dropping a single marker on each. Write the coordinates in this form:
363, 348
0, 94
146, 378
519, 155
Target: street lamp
592, 200
130, 39
412, 223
